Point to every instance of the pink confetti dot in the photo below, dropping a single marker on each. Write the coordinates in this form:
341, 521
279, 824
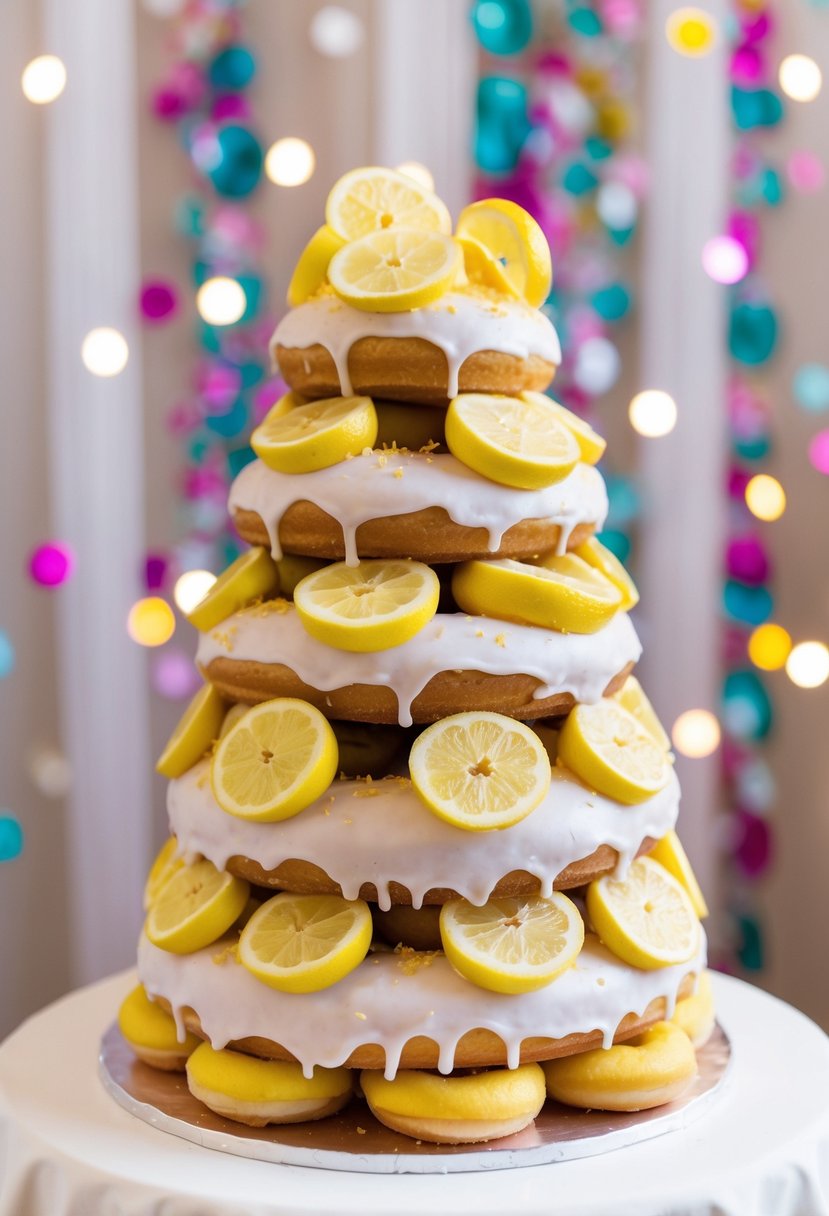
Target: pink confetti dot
174, 675
158, 301
51, 564
805, 172
819, 452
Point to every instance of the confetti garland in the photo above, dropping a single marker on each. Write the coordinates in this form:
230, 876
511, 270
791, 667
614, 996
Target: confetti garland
554, 136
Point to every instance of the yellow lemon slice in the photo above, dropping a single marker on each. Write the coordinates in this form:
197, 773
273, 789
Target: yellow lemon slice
613, 753
302, 943
669, 853
480, 770
600, 558
631, 696
311, 271
513, 442
232, 717
316, 435
293, 569
276, 760
372, 606
646, 919
512, 945
252, 575
195, 732
195, 907
591, 444
166, 864
564, 594
375, 199
483, 269
515, 240
396, 270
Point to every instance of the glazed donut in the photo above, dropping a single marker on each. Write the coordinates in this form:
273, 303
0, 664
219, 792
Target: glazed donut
466, 1109
650, 1070
151, 1032
696, 1014
258, 1092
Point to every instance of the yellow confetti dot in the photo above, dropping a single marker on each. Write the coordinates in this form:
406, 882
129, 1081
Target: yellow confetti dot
769, 647
691, 31
151, 621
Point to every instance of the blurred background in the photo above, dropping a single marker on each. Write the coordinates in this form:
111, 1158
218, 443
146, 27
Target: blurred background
676, 158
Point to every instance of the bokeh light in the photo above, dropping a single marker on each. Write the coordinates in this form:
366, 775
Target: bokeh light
765, 497
819, 452
158, 301
191, 587
653, 413
151, 621
616, 205
104, 351
6, 655
51, 564
800, 77
221, 301
597, 366
725, 260
11, 837
810, 387
696, 733
419, 172
43, 79
808, 664
50, 771
173, 675
691, 31
769, 646
336, 31
290, 162
805, 172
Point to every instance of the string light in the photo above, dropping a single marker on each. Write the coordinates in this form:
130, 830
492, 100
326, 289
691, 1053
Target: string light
419, 172
336, 31
43, 80
769, 647
724, 260
691, 31
290, 162
765, 497
653, 413
151, 621
696, 733
191, 588
808, 664
105, 352
800, 77
221, 301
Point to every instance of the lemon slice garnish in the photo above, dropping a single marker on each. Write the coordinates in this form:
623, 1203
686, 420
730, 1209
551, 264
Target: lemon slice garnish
483, 269
196, 906
646, 919
372, 606
480, 770
396, 270
591, 444
565, 593
375, 199
612, 752
302, 943
311, 271
252, 575
166, 864
195, 732
510, 441
631, 696
600, 558
316, 435
277, 759
670, 853
514, 239
512, 945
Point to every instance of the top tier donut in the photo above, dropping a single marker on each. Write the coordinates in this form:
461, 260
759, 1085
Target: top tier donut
386, 302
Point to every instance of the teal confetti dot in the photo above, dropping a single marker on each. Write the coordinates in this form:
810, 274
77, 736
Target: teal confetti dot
231, 549
621, 236
756, 448
746, 708
752, 333
11, 837
750, 950
189, 217
810, 387
239, 166
749, 605
611, 302
237, 459
503, 123
753, 108
503, 27
198, 448
617, 542
623, 500
231, 423
232, 69
584, 21
579, 180
254, 290
597, 149
6, 655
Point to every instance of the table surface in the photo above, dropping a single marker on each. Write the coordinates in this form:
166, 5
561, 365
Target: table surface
66, 1149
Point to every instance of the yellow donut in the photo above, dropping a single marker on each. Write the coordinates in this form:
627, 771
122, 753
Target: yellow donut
696, 1015
257, 1092
151, 1032
457, 1109
654, 1068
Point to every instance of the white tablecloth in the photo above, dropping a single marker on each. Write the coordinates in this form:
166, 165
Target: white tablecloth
66, 1149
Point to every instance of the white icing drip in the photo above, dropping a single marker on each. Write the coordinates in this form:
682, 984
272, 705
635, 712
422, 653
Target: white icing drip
390, 836
581, 664
396, 1004
377, 485
459, 324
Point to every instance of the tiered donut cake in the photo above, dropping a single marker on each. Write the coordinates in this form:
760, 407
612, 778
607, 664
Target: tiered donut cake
422, 816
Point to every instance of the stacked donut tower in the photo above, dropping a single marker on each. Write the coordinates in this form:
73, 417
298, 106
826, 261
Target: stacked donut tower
423, 851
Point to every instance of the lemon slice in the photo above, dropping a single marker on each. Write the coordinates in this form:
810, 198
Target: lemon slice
395, 271
672, 856
196, 906
276, 760
372, 606
512, 945
195, 732
591, 444
600, 558
646, 919
513, 442
631, 696
166, 864
483, 269
515, 240
302, 943
480, 770
613, 753
564, 594
232, 717
311, 271
374, 199
252, 575
293, 569
316, 435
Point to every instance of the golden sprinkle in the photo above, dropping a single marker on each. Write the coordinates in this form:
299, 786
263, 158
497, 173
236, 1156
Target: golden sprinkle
229, 952
479, 633
398, 473
348, 821
429, 447
410, 960
361, 1131
501, 640
361, 1016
